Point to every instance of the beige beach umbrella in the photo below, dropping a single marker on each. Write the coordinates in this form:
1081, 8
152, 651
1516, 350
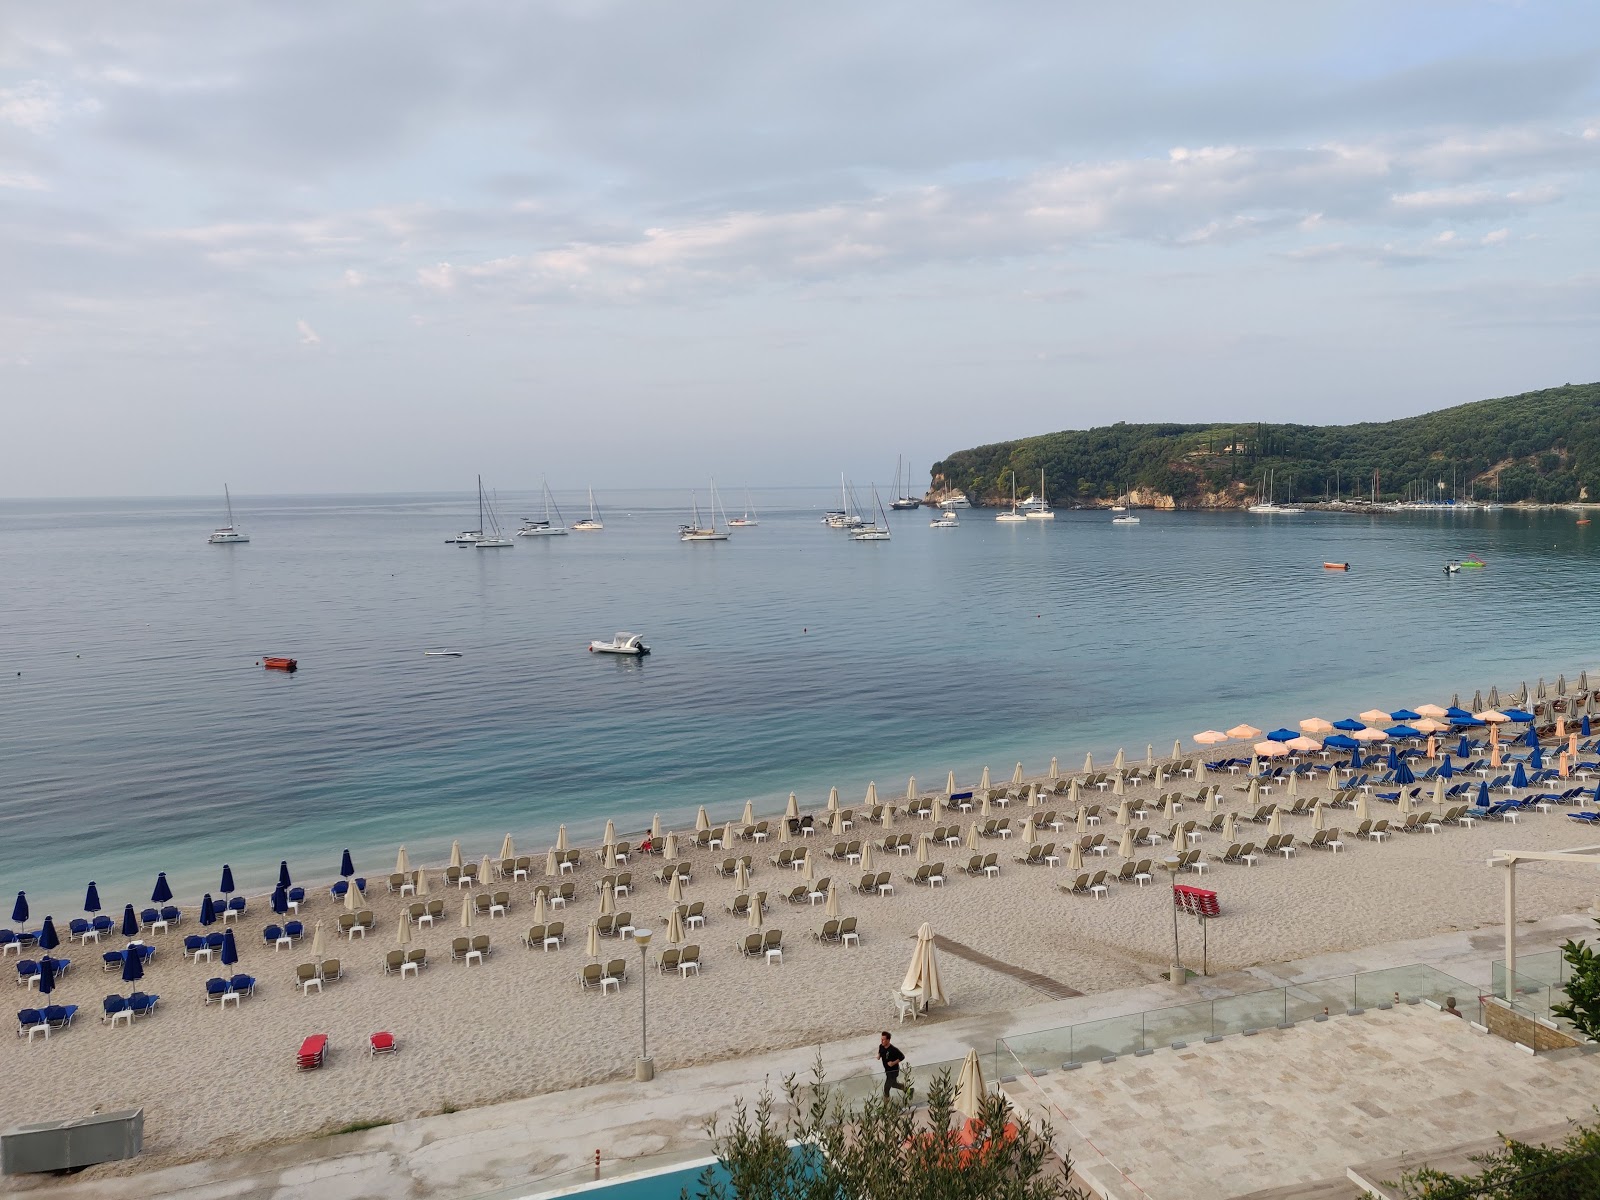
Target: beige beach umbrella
792, 811
1361, 808
1405, 802
608, 901
1211, 799
808, 873
702, 823
466, 910
1275, 822
551, 867
1055, 769
1124, 815
923, 841
561, 839
970, 1091
610, 839
888, 816
755, 912
402, 935
1199, 771
950, 784
938, 810
1255, 765
1120, 760
1088, 763
1177, 749
831, 909
1117, 787
833, 799
609, 860
1028, 832
1243, 733
837, 828
655, 828
1075, 855
1432, 711
1072, 794
783, 830
741, 876
422, 881
455, 853
1294, 790
872, 793
984, 782
727, 835
675, 888
1149, 755
1082, 822
1317, 818
1125, 848
593, 946
1161, 777
1180, 838
1170, 809
670, 853
353, 899
749, 816
541, 910
1016, 776
674, 928
319, 939
1438, 792
983, 805
402, 863
1033, 795
508, 848
866, 857
1253, 796
923, 974
1229, 833
972, 836
485, 872
911, 788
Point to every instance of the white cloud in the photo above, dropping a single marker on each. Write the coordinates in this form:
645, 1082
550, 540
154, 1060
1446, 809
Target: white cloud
22, 181
34, 106
308, 335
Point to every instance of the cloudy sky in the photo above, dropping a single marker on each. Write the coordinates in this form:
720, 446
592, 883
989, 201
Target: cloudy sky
382, 246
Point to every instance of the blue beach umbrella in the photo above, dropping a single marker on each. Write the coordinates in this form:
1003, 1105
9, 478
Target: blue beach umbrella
1459, 714
1446, 771
130, 923
19, 910
48, 940
227, 880
1282, 735
1355, 757
91, 899
1483, 794
1519, 777
283, 875
47, 975
230, 952
1402, 773
163, 890
1339, 741
1531, 738
1403, 731
1404, 714
346, 867
208, 911
1536, 759
1584, 728
1348, 725
280, 900
1596, 797
132, 965
1520, 715
1464, 750
1394, 759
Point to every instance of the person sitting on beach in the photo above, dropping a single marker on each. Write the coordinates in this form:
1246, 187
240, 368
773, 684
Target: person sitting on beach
644, 846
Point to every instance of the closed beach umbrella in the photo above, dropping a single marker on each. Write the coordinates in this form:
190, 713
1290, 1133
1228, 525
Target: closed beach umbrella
866, 855
133, 964
923, 974
561, 840
1199, 772
1519, 777
1088, 763
1228, 831
1179, 836
755, 912
227, 880
727, 835
888, 816
208, 910
1255, 765
1403, 774
541, 911
1177, 749
162, 893
1447, 768
836, 827
1123, 815
402, 861
455, 849
593, 946
972, 836
346, 867
792, 812
1494, 698
872, 794
741, 876
983, 805
1561, 686
1075, 855
749, 813
984, 782
19, 910
1118, 788
1120, 760
1405, 803
911, 788
1125, 848
130, 923
1149, 755
508, 849
1316, 815
674, 928
1027, 831
671, 852
608, 901
466, 908
422, 881
675, 888
970, 1092
938, 809
91, 898
1433, 748
1293, 785
808, 871
551, 867
1361, 808
831, 909
610, 838
230, 949
1275, 822
353, 897
1211, 800
1494, 751
1055, 769
1016, 776
922, 848
318, 942
485, 872
1438, 791
833, 799
47, 975
402, 933
1253, 796
1072, 794
610, 856
1170, 809
655, 827
1082, 822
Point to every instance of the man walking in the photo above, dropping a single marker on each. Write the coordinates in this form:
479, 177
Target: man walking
891, 1058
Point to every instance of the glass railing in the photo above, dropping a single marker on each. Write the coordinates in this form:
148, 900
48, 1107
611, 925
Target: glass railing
1116, 1036
1541, 981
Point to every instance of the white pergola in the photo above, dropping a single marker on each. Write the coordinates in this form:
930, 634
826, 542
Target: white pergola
1587, 855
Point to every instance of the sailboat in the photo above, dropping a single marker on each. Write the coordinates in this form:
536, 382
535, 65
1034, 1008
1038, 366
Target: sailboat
229, 534
846, 517
695, 532
532, 527
1267, 505
1119, 511
490, 535
591, 523
1013, 516
748, 521
902, 490
874, 533
1041, 511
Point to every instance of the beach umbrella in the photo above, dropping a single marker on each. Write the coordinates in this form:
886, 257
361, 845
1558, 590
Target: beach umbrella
208, 910
1315, 725
1362, 813
1177, 749
911, 787
1433, 711
1304, 745
1561, 686
1170, 808
888, 816
1294, 790
1209, 737
1370, 735
1403, 731
609, 858
1429, 725
1477, 697
872, 793
783, 831
655, 826
1405, 803
1494, 752
1027, 831
1123, 813
831, 909
19, 910
1118, 788
486, 871
1404, 714
923, 840
1519, 777
984, 782
727, 835
593, 947
754, 920
561, 840
701, 822
610, 838
792, 812
133, 965
938, 810
353, 897
1535, 760
227, 880
1211, 800
402, 861
1355, 757
1394, 759
983, 805
230, 949
1088, 762
866, 851
808, 871
1561, 728
1082, 820
1033, 795
1464, 748
1483, 794
47, 975
1199, 772
1494, 697
741, 876
1228, 830
1125, 848
950, 784
1281, 735
1149, 755
1120, 761
749, 815
1055, 769
541, 910
455, 849
1438, 791
1403, 775
608, 901
162, 892
551, 867
1348, 725
1075, 855
318, 942
402, 933
1242, 733
130, 923
675, 888
1531, 738
1275, 822
833, 799
91, 899
1016, 776
1072, 794
674, 928
923, 974
671, 851
466, 908
508, 849
1180, 838
972, 841
1255, 759
1446, 770
1316, 816
346, 867
1253, 796
837, 827
1583, 681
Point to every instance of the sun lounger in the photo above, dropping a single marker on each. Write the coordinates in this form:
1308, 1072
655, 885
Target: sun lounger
313, 1052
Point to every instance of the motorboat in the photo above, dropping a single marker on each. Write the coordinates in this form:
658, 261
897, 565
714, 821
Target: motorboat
1041, 510
279, 663
956, 499
1126, 518
946, 521
229, 534
546, 526
1452, 568
466, 539
441, 654
591, 523
1011, 516
630, 644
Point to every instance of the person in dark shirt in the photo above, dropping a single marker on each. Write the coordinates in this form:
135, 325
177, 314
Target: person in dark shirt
891, 1058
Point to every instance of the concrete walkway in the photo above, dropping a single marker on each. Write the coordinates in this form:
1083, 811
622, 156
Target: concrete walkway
530, 1147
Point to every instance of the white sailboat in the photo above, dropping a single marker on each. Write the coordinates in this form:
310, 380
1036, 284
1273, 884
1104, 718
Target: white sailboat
1013, 517
696, 532
490, 535
1042, 510
229, 534
874, 533
748, 521
946, 520
1267, 505
533, 527
846, 517
591, 523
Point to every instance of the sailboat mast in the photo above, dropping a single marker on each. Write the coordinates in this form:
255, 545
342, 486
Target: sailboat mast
228, 496
480, 503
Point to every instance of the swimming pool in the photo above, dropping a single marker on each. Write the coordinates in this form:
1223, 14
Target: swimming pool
666, 1184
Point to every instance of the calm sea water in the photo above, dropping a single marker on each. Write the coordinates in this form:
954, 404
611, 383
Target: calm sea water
139, 735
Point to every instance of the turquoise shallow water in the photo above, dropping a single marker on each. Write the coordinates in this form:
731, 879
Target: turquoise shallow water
138, 734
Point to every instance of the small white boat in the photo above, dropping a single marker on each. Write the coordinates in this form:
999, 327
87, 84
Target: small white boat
1116, 508
466, 539
591, 523
630, 644
945, 521
748, 521
441, 654
229, 534
1125, 519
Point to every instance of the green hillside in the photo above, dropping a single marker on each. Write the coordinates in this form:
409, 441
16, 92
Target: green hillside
1543, 446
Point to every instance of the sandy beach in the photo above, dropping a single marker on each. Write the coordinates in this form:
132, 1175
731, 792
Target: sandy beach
212, 1079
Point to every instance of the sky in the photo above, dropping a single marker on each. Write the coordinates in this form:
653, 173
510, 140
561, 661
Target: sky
383, 246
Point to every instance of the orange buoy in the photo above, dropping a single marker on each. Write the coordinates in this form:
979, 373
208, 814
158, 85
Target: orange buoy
1335, 566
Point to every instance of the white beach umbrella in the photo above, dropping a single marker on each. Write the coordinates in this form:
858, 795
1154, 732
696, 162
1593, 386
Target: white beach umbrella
455, 853
1149, 754
1075, 856
402, 935
1016, 776
1275, 822
831, 909
1255, 765
561, 839
466, 911
1361, 808
402, 863
1317, 817
670, 853
702, 823
1405, 802
749, 816
755, 912
675, 888
792, 811
1438, 792
508, 848
970, 1091
1177, 749
1229, 833
318, 942
923, 841
866, 857
984, 782
923, 974
1294, 790
610, 838
1055, 769
593, 946
541, 910
1126, 847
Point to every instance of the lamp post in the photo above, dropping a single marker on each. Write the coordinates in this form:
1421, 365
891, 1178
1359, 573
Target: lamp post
1176, 974
645, 1069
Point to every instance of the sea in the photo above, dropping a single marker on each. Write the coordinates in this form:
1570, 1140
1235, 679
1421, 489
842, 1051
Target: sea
139, 734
